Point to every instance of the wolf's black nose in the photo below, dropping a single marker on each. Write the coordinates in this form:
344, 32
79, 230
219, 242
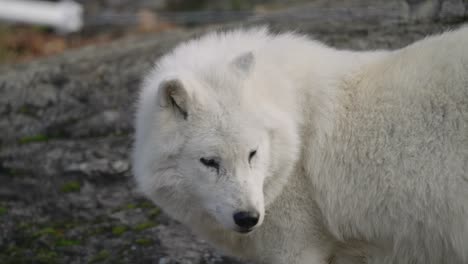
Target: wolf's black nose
246, 220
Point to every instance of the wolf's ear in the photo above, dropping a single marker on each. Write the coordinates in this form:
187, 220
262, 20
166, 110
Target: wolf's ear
172, 94
244, 63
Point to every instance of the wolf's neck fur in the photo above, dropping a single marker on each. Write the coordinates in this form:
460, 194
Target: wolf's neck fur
320, 97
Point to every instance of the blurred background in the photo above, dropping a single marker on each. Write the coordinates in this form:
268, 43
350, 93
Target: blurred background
69, 76
102, 21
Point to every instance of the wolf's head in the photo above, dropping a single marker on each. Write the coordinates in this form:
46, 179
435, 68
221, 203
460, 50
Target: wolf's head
211, 148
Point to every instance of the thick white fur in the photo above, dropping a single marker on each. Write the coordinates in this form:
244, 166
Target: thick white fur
362, 157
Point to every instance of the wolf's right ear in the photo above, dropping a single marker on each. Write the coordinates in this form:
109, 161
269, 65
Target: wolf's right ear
172, 94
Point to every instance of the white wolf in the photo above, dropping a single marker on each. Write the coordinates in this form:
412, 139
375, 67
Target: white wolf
279, 149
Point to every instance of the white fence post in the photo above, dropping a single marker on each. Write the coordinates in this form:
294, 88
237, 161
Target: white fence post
65, 16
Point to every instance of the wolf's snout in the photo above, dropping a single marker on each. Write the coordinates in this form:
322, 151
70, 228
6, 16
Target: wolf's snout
246, 220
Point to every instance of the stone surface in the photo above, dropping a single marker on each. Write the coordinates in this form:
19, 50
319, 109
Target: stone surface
66, 191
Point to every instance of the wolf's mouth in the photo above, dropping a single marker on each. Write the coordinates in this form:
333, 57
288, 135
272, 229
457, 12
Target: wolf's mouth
244, 230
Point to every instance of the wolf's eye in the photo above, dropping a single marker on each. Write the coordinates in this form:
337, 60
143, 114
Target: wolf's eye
252, 154
212, 163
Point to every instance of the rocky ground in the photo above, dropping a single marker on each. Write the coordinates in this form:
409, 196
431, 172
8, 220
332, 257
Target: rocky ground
66, 191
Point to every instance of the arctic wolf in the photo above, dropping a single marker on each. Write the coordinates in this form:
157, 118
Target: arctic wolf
280, 149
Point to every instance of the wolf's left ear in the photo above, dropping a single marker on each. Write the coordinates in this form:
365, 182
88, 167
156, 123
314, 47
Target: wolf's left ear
244, 63
172, 94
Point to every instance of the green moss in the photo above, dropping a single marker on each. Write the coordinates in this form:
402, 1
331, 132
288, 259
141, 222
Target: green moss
72, 186
40, 28
14, 255
119, 230
26, 110
153, 213
144, 226
240, 4
3, 210
100, 256
68, 225
32, 139
12, 171
67, 242
47, 231
46, 257
24, 226
96, 231
146, 205
144, 241
130, 206
120, 133
185, 5
13, 250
